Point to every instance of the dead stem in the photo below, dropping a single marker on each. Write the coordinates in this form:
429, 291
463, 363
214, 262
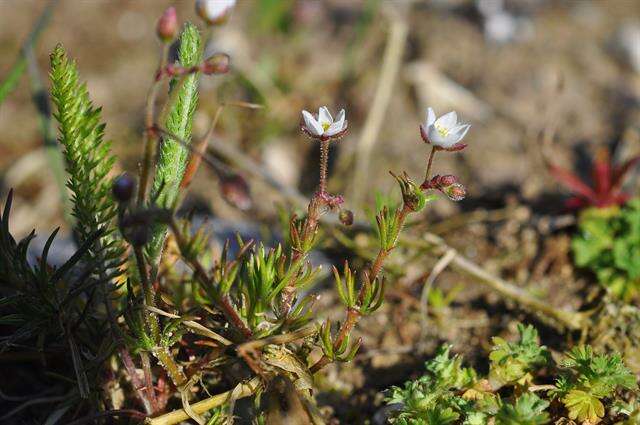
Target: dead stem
198, 152
148, 136
242, 390
148, 380
136, 383
391, 61
567, 319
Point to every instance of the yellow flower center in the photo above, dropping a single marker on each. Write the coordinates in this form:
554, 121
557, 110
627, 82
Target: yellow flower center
325, 126
442, 130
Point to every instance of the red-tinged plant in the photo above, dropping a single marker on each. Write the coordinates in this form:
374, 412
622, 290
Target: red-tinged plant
606, 179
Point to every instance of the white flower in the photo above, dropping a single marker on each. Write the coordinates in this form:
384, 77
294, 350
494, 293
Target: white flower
214, 11
444, 132
323, 125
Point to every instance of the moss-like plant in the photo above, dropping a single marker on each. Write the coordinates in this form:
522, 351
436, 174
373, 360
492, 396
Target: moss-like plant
585, 384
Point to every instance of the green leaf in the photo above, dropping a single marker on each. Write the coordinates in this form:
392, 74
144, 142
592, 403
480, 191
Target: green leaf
599, 375
88, 159
583, 406
626, 256
173, 156
512, 362
608, 244
448, 372
529, 409
441, 417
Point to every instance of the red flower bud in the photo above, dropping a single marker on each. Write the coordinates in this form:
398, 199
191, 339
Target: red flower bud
216, 64
447, 180
236, 191
167, 26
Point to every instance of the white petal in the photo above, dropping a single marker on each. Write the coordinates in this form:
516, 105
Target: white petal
335, 128
338, 124
312, 125
431, 117
448, 120
324, 117
459, 132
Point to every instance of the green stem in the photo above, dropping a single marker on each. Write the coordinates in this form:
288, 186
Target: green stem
148, 294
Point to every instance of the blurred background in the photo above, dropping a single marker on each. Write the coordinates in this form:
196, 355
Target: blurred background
518, 71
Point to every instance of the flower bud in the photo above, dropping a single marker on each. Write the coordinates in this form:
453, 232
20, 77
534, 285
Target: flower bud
218, 63
455, 192
346, 217
236, 191
167, 26
439, 182
447, 180
123, 187
214, 12
412, 195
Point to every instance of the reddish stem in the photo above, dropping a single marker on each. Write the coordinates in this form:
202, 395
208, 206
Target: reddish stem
427, 174
324, 161
148, 380
137, 384
149, 137
353, 315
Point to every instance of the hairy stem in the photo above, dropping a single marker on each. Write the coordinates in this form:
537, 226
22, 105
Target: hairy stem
427, 173
324, 161
353, 314
148, 294
174, 370
177, 117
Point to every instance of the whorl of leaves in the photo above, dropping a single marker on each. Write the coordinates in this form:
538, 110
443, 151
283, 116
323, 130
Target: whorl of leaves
88, 162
